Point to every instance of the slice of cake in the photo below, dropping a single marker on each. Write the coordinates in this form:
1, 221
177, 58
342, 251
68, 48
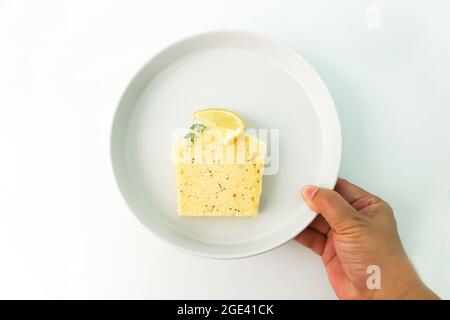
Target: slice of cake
218, 173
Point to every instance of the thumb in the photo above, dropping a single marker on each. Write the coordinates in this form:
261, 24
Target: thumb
330, 204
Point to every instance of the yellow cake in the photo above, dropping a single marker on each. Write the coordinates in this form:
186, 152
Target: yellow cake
218, 177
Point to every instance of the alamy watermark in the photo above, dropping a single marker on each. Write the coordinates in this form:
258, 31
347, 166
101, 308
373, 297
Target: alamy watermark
373, 282
212, 147
373, 17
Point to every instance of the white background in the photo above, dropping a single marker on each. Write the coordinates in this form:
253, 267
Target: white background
65, 231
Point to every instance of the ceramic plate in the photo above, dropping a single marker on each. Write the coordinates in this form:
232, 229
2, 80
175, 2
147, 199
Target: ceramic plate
274, 89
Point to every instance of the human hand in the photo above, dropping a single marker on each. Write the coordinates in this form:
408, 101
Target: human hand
355, 230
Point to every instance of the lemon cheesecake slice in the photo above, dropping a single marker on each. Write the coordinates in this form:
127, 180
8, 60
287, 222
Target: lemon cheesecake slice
219, 169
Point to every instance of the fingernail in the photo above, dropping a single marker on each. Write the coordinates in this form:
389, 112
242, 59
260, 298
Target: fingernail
309, 192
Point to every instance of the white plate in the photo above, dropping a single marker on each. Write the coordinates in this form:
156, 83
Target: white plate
272, 87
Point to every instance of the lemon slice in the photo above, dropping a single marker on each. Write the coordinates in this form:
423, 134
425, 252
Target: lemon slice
228, 121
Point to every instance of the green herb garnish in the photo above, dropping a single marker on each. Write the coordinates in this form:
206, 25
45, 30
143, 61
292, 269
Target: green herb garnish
198, 127
190, 137
195, 130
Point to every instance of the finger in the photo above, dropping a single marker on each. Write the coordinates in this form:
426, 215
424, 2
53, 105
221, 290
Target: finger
329, 250
365, 202
329, 204
359, 198
320, 225
313, 240
350, 192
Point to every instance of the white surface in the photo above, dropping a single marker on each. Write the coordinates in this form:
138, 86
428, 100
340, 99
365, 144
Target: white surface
274, 89
65, 230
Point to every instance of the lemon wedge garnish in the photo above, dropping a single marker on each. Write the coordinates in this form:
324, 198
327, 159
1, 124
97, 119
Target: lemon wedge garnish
229, 122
